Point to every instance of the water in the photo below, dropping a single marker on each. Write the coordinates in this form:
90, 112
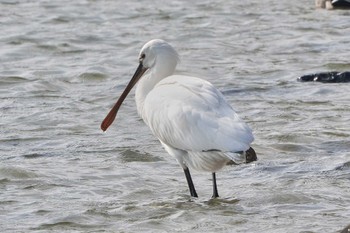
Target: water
64, 63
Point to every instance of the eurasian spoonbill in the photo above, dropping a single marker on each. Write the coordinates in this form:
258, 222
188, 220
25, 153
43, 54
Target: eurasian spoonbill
189, 116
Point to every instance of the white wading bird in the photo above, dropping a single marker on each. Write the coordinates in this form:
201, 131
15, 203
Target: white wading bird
188, 115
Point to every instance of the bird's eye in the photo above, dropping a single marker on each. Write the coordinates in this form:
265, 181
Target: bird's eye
142, 56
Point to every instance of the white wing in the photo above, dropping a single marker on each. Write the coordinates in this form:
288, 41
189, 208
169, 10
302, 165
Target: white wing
190, 114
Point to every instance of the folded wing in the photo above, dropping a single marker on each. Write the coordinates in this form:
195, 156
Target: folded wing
190, 114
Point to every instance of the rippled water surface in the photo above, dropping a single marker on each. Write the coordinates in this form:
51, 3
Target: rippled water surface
64, 63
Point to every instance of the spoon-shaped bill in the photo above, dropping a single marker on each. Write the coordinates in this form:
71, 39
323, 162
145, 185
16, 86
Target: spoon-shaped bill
113, 113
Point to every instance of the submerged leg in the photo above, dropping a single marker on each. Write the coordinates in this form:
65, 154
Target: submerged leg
190, 183
215, 188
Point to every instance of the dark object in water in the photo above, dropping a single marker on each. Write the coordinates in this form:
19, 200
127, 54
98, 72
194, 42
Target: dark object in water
333, 4
341, 3
250, 156
346, 229
327, 77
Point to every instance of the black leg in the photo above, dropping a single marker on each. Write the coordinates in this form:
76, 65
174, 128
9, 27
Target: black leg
190, 183
215, 189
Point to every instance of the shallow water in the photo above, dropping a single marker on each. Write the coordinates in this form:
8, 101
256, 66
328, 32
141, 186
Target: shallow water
64, 63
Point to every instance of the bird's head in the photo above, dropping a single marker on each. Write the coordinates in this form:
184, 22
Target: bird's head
154, 52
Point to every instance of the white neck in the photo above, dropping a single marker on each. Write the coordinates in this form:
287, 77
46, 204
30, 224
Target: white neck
164, 67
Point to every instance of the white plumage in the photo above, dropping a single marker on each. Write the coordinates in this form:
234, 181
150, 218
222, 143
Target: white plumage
189, 116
